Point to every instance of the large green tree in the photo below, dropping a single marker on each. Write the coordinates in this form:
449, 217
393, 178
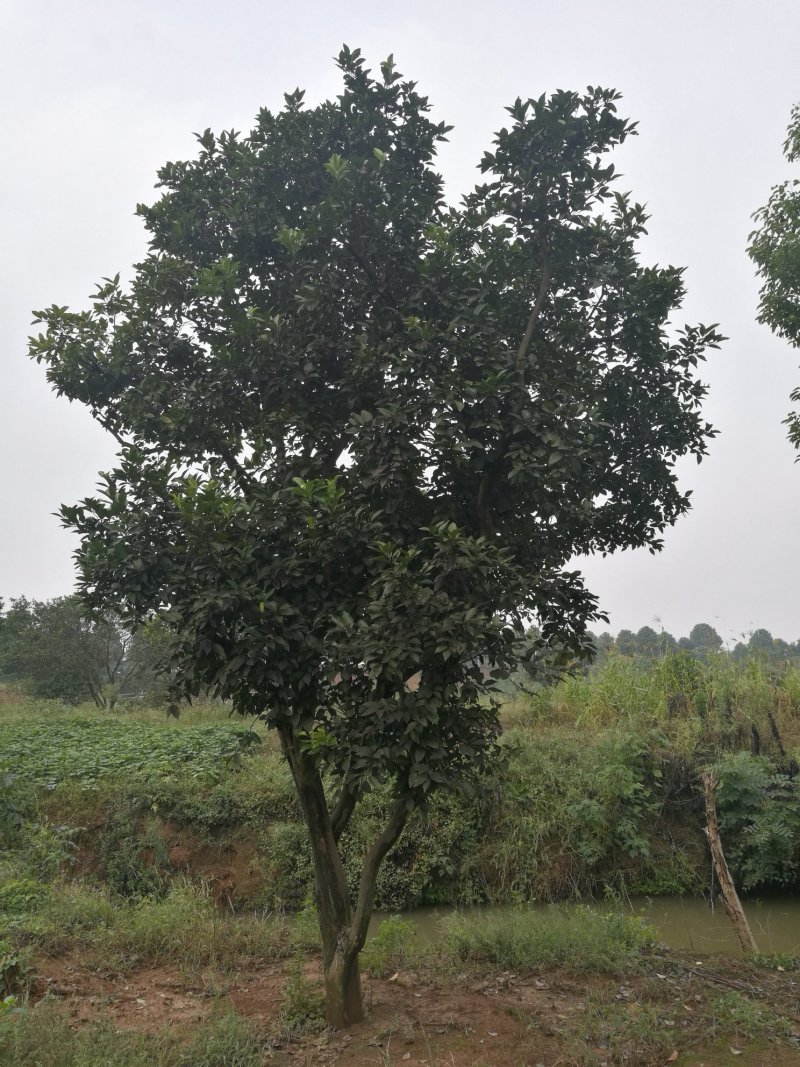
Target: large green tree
362, 433
775, 249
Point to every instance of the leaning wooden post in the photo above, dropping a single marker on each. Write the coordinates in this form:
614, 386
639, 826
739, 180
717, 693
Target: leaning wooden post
730, 898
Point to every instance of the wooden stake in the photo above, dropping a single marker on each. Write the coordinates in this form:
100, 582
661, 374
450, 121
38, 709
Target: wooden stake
730, 898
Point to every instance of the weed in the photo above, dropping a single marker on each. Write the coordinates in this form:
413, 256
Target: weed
733, 1012
305, 933
14, 969
43, 1036
183, 927
624, 1031
124, 869
389, 948
580, 939
303, 1008
20, 898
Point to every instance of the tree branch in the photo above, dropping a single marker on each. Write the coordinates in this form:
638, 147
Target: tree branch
342, 810
369, 872
332, 893
237, 470
524, 345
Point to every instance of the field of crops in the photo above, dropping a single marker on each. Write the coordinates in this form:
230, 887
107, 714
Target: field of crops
83, 749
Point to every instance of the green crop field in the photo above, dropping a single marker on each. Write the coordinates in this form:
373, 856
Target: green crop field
82, 749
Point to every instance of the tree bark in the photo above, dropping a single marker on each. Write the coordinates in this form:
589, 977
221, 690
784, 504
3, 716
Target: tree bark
344, 1004
730, 898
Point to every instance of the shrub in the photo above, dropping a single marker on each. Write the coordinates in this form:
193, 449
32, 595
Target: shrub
759, 819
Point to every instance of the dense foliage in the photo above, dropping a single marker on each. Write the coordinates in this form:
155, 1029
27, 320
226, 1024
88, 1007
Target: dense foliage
600, 791
775, 249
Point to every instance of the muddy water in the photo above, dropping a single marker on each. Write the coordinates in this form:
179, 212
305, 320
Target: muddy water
688, 922
681, 923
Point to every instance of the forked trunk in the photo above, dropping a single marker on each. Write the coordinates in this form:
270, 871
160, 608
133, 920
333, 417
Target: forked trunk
343, 1000
343, 928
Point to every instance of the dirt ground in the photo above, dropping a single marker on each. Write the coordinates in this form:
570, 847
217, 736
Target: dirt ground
551, 1019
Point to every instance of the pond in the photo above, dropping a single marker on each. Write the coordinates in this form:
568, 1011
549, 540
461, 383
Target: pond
681, 923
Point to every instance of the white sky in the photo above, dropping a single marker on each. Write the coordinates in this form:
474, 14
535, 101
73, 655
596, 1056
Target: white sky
96, 96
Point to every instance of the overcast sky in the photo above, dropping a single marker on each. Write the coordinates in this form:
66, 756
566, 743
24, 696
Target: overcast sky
96, 96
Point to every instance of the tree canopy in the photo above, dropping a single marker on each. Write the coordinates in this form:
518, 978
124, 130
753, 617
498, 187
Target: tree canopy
775, 249
363, 432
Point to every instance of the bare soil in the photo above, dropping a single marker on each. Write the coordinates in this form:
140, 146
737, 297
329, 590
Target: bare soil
555, 1019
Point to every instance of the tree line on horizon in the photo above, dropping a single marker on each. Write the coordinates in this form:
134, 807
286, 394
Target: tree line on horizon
703, 640
56, 649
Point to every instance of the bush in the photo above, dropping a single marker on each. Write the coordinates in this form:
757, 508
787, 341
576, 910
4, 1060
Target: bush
759, 820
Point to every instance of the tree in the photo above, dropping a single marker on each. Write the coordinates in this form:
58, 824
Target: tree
775, 249
703, 639
626, 643
361, 434
58, 651
649, 643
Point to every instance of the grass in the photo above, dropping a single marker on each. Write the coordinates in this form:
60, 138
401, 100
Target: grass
579, 939
42, 1036
183, 928
600, 791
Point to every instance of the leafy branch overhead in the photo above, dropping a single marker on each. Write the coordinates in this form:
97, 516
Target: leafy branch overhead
363, 432
775, 249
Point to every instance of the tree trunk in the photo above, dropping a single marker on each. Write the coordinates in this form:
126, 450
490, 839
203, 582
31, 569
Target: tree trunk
343, 1001
730, 898
344, 1004
343, 929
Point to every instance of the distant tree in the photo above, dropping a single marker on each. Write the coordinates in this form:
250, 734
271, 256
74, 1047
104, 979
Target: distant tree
761, 642
775, 249
703, 639
56, 650
603, 641
781, 650
604, 644
149, 655
362, 434
649, 643
626, 643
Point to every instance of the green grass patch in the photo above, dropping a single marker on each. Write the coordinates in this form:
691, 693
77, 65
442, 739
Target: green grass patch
183, 928
42, 1036
579, 939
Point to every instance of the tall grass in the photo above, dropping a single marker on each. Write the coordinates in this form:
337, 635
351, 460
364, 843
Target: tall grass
697, 703
183, 928
523, 940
